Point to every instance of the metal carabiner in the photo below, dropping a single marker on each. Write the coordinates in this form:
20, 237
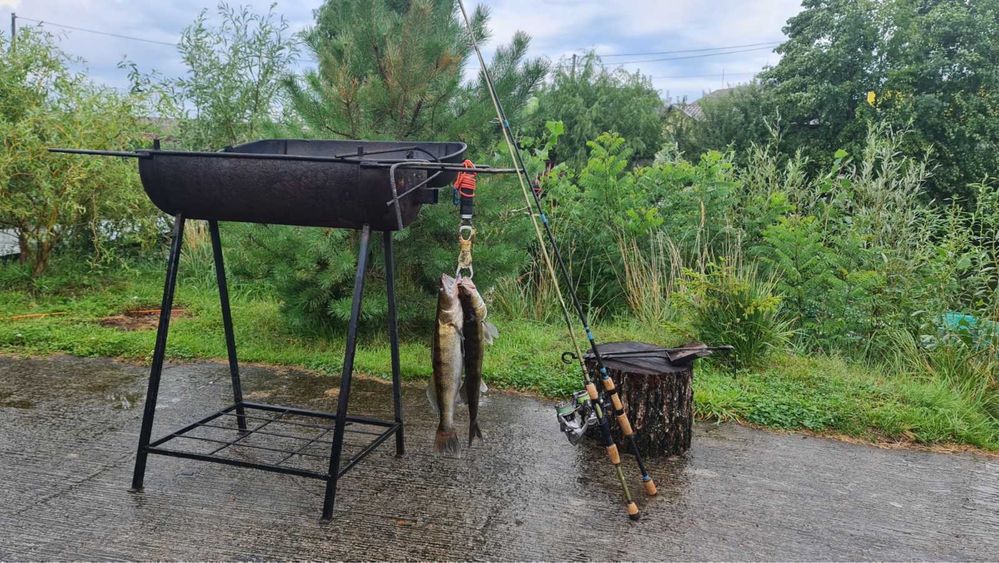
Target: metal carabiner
466, 232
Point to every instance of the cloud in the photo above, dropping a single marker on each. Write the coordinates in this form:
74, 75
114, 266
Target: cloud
652, 22
558, 28
157, 21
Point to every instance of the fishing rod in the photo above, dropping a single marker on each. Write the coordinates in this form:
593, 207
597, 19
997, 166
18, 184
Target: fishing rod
604, 377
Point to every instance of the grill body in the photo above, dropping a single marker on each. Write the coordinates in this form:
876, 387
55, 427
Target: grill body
342, 184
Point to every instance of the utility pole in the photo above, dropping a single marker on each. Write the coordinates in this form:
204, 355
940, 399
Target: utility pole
13, 29
574, 66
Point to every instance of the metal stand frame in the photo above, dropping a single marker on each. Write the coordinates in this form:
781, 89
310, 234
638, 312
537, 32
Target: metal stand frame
226, 435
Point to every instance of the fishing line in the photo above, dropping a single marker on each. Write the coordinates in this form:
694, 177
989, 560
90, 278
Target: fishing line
608, 383
521, 177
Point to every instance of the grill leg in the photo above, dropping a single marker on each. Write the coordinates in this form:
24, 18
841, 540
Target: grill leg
149, 409
230, 339
393, 330
348, 369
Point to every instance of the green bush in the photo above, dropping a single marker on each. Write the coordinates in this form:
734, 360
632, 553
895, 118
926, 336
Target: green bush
47, 199
731, 304
810, 282
854, 252
602, 210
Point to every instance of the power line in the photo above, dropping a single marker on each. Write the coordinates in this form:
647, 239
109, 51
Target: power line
719, 75
97, 32
693, 56
702, 52
726, 47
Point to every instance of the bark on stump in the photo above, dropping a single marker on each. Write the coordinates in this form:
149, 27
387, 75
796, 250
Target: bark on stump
657, 396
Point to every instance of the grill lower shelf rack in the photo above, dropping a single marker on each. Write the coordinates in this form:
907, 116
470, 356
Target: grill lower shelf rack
276, 438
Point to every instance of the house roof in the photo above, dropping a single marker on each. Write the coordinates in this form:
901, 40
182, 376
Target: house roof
694, 110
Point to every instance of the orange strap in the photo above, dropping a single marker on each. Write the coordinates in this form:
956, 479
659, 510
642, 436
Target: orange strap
465, 182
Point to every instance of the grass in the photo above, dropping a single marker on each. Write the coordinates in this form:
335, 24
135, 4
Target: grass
821, 394
829, 395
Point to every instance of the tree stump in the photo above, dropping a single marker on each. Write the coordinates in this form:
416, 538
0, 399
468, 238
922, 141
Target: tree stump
657, 394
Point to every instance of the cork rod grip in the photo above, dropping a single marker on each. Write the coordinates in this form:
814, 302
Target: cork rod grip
633, 510
613, 455
650, 488
625, 424
616, 401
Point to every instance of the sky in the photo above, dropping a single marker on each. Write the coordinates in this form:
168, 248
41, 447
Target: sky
680, 31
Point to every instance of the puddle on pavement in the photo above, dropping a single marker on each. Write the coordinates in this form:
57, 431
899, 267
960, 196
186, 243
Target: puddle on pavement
8, 400
40, 383
124, 401
305, 388
106, 382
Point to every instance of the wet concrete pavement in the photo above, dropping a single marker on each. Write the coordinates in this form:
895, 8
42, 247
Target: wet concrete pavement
68, 429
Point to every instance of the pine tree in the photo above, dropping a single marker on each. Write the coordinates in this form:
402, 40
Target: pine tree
393, 69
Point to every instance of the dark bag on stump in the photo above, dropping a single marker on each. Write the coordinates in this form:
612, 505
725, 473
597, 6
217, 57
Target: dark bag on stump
656, 387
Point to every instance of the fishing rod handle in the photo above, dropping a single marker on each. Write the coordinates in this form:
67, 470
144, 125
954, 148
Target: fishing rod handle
619, 414
628, 431
615, 459
612, 453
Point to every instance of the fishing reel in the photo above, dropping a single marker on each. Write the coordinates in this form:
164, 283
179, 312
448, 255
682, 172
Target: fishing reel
576, 417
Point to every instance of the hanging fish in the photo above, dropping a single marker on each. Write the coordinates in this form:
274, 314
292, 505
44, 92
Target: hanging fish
477, 332
447, 362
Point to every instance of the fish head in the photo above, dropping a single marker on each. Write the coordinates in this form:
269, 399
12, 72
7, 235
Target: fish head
466, 286
472, 298
448, 284
448, 305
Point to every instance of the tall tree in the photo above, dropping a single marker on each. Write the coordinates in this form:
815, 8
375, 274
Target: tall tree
925, 65
387, 68
393, 69
47, 198
827, 67
516, 80
591, 99
232, 90
943, 82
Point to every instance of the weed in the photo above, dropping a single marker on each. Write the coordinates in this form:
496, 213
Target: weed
730, 304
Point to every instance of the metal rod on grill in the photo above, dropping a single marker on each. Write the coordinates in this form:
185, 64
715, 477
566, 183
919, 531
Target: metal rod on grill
372, 163
125, 154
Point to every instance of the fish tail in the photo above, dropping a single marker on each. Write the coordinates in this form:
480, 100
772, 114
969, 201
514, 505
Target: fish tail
473, 431
447, 442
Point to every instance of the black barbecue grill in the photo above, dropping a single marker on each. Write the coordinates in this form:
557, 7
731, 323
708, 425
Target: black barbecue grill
365, 185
